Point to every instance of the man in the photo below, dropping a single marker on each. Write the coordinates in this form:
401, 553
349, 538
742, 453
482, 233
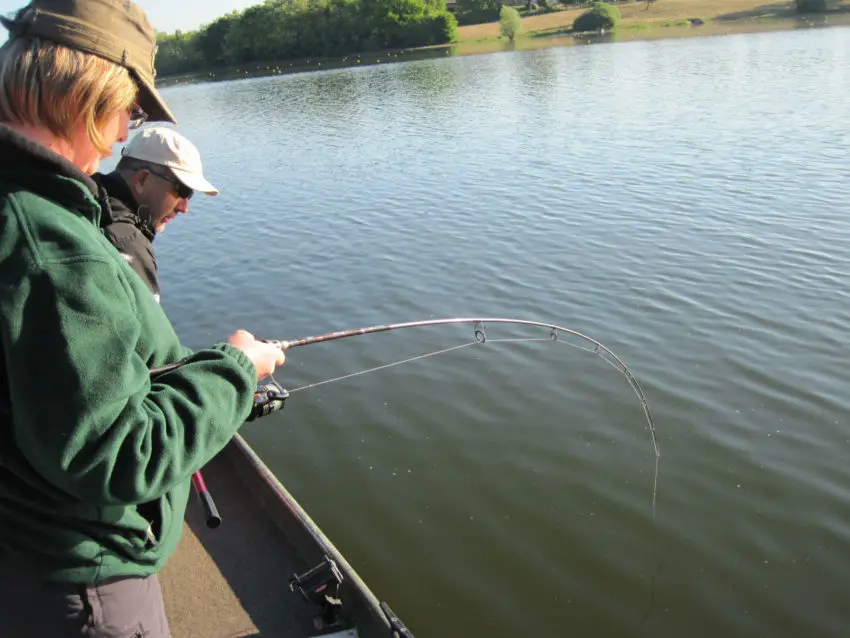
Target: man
157, 175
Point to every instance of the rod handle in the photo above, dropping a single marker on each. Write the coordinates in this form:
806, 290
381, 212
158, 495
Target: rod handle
207, 502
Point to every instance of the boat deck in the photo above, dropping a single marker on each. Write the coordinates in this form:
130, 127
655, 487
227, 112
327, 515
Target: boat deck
233, 581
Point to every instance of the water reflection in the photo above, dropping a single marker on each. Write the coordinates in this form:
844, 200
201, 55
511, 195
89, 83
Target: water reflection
426, 80
598, 38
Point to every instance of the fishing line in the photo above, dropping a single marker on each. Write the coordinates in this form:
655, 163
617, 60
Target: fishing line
480, 337
383, 367
277, 395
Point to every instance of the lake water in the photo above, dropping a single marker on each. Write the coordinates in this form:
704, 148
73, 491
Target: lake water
685, 202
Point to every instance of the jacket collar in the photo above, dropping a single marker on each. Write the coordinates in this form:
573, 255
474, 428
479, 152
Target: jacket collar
46, 173
120, 205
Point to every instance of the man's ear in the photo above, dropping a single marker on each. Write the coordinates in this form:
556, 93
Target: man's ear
140, 181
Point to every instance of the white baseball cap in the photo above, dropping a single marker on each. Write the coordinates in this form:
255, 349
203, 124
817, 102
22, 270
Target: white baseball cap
166, 147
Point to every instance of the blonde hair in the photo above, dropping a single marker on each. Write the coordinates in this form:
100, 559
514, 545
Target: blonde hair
53, 87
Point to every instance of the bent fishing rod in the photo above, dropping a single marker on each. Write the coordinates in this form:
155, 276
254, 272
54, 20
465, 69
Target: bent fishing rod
480, 337
272, 397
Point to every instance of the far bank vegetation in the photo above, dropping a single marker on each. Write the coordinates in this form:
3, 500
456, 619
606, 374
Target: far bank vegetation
600, 17
298, 29
510, 22
291, 30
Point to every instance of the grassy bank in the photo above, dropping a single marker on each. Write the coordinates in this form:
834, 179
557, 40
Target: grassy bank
640, 17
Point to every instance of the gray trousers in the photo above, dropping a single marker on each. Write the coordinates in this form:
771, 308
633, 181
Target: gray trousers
122, 608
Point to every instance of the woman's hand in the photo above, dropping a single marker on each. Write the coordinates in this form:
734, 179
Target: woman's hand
265, 356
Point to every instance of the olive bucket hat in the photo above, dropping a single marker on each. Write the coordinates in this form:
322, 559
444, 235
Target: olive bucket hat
117, 30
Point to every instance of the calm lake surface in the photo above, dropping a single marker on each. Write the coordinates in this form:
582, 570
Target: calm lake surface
685, 202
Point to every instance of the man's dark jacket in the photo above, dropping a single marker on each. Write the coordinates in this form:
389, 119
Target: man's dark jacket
128, 227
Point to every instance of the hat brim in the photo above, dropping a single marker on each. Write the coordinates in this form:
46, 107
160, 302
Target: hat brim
152, 103
194, 181
121, 35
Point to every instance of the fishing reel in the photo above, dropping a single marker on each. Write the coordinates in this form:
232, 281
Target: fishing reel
268, 398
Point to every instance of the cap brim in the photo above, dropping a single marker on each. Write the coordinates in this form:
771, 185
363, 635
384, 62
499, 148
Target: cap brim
152, 103
194, 181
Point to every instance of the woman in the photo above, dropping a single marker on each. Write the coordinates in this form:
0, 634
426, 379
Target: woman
95, 460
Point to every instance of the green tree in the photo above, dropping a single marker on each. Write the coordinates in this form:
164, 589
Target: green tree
211, 39
285, 29
477, 11
177, 52
510, 22
600, 16
444, 27
252, 36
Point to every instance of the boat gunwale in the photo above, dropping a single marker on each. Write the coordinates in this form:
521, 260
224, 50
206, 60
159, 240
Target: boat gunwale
314, 531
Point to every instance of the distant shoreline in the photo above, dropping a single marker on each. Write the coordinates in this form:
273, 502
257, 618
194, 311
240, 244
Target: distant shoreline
731, 15
663, 19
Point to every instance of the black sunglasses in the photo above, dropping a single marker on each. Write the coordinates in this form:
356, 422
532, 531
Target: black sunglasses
183, 191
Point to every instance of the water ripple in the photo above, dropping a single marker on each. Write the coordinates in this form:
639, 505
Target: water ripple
682, 201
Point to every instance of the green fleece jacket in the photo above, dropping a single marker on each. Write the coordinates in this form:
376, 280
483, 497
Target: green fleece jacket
95, 459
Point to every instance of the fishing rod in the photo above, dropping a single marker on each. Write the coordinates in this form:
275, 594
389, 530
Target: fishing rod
480, 337
213, 517
267, 399
275, 395
271, 397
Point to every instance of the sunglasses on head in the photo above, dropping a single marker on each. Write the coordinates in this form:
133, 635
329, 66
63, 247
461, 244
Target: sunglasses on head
137, 117
183, 191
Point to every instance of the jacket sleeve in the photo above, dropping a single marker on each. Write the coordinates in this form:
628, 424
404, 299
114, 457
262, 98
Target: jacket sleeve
85, 412
136, 250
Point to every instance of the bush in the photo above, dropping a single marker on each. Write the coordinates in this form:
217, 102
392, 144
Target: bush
444, 27
811, 6
600, 16
510, 24
477, 11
